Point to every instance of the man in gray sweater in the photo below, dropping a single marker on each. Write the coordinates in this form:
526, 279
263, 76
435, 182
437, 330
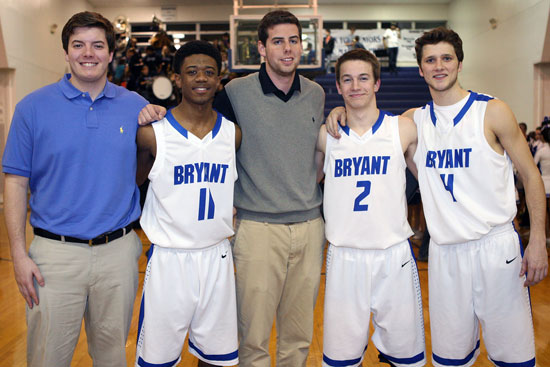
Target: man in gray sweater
280, 234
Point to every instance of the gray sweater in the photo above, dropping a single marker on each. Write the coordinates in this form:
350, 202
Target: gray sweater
275, 163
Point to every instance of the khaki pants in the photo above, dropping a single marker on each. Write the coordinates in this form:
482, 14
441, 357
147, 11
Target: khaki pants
96, 283
278, 272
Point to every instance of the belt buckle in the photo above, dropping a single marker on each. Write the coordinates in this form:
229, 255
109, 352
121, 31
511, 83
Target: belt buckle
91, 242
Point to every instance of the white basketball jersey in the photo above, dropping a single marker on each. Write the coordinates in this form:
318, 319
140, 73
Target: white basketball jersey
467, 188
190, 198
364, 199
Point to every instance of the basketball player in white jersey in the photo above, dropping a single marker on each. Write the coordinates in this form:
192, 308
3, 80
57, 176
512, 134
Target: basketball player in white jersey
189, 285
478, 273
370, 265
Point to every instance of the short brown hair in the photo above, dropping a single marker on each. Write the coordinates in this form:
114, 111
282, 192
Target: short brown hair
274, 18
362, 55
91, 20
436, 35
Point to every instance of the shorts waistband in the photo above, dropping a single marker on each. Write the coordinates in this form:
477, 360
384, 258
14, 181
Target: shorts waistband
503, 228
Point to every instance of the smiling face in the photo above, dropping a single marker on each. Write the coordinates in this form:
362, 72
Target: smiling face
88, 57
198, 79
440, 66
282, 50
357, 84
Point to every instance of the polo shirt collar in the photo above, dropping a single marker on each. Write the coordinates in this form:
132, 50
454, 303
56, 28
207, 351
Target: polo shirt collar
269, 87
70, 91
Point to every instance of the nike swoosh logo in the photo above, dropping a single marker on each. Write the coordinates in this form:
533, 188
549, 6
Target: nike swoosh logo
405, 263
223, 256
509, 261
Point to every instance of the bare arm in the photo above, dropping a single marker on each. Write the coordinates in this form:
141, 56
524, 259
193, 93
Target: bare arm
151, 113
320, 150
15, 197
409, 113
146, 152
338, 114
409, 141
238, 137
502, 131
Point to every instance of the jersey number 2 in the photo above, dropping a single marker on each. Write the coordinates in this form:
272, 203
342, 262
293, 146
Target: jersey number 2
203, 204
358, 207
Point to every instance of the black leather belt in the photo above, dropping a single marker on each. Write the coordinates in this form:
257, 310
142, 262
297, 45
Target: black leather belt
99, 240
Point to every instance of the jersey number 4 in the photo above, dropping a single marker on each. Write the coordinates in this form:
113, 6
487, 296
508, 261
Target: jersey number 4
358, 207
449, 183
203, 204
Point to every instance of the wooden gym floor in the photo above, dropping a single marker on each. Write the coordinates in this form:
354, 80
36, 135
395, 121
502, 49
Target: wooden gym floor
13, 328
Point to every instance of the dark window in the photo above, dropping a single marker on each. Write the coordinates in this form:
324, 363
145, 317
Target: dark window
180, 27
145, 27
188, 37
215, 27
211, 37
401, 25
430, 25
333, 25
143, 38
362, 25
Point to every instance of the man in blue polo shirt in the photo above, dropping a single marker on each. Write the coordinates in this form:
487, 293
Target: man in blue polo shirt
73, 144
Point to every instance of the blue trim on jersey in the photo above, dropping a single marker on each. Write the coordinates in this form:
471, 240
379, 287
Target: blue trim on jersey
142, 363
340, 363
214, 357
218, 125
455, 362
345, 129
529, 363
465, 108
175, 124
183, 131
378, 122
411, 247
376, 125
142, 304
473, 97
343, 362
483, 97
417, 358
432, 112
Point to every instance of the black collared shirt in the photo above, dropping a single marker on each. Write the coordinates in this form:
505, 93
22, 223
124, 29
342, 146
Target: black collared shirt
223, 105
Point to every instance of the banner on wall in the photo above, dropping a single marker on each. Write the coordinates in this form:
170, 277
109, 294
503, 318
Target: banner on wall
372, 39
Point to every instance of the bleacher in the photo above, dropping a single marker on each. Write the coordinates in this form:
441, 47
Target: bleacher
397, 93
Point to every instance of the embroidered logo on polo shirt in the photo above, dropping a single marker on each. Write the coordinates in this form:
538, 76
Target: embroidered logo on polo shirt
121, 130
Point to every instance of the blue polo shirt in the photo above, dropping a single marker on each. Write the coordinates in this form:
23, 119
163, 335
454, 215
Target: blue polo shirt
79, 156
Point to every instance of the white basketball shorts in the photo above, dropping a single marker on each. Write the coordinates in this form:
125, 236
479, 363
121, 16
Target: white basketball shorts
188, 290
478, 282
384, 282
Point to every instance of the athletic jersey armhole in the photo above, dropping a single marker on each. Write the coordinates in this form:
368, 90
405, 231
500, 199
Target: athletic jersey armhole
159, 129
233, 131
417, 118
394, 121
328, 146
481, 131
